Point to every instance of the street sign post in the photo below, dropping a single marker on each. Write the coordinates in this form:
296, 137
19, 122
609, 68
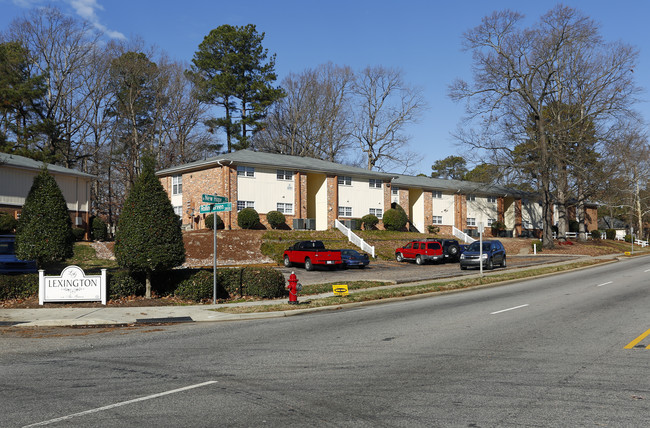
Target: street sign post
215, 199
216, 204
215, 208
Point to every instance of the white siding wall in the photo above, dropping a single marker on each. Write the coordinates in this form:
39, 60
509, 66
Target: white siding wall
361, 197
482, 210
266, 190
444, 207
531, 214
15, 185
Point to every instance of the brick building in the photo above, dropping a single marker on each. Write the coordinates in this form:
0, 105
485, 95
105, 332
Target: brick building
315, 192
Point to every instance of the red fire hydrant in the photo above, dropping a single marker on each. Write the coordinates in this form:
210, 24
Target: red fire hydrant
293, 287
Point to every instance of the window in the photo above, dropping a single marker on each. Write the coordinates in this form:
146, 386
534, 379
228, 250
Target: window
376, 184
177, 184
377, 212
245, 171
471, 221
437, 219
416, 245
345, 211
345, 181
284, 174
471, 197
245, 204
491, 221
178, 210
285, 208
437, 194
395, 191
492, 199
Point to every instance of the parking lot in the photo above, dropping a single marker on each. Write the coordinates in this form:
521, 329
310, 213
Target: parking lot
405, 272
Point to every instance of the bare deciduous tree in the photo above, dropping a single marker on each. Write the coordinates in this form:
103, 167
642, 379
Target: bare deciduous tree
384, 105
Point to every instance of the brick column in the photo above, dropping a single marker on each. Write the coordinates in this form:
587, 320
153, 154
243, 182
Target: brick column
332, 199
428, 208
501, 214
518, 217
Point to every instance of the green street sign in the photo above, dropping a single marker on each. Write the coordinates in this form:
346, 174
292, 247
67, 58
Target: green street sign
214, 208
213, 198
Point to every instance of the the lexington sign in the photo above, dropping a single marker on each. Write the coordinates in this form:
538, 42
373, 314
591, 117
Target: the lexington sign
72, 286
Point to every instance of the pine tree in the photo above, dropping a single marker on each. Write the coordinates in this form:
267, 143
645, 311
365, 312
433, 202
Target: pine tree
44, 231
149, 236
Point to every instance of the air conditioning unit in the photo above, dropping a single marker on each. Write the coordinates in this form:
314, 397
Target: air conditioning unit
298, 224
310, 223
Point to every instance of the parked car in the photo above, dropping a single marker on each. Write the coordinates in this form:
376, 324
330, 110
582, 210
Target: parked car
354, 258
9, 263
493, 254
450, 249
421, 251
311, 253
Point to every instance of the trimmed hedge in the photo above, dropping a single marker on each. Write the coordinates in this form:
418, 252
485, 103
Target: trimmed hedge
209, 221
78, 233
275, 219
263, 282
123, 284
394, 219
248, 218
7, 223
18, 286
369, 221
610, 234
258, 282
595, 234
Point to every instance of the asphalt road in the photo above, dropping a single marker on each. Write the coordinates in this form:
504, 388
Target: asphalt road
544, 352
405, 271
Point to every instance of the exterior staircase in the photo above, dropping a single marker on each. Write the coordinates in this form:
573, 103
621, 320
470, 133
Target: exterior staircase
355, 239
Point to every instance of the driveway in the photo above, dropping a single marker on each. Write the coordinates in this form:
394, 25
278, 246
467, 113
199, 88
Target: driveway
405, 272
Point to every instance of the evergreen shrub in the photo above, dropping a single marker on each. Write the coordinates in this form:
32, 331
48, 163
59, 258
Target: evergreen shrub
595, 234
369, 221
394, 219
275, 219
78, 233
537, 243
248, 218
18, 286
123, 284
98, 229
610, 234
7, 223
209, 221
263, 282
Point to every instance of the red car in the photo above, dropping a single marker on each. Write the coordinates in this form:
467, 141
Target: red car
421, 251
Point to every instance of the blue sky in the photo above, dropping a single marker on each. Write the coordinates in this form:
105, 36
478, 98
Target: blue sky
421, 37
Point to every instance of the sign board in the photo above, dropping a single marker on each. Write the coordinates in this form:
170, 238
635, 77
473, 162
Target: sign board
73, 285
214, 208
340, 289
213, 198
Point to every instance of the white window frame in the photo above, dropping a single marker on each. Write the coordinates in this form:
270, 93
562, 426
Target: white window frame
436, 219
395, 191
490, 221
245, 171
178, 210
436, 194
471, 198
345, 211
471, 221
177, 184
284, 174
245, 204
345, 180
377, 212
492, 199
375, 183
284, 208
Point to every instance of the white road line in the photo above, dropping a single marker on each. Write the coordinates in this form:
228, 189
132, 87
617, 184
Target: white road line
509, 309
123, 403
605, 283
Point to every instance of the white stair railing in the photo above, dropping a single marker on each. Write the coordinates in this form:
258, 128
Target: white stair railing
462, 235
356, 240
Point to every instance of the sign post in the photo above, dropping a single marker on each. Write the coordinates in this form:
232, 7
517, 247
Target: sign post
480, 252
216, 204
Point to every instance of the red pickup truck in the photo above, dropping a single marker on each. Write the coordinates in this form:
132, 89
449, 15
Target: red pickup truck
420, 251
311, 253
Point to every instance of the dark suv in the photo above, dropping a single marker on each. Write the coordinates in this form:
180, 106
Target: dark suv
450, 248
493, 254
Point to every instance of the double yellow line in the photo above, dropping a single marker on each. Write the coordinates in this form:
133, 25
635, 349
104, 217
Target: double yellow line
636, 341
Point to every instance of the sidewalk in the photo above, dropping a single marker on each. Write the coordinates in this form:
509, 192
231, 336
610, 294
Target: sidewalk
121, 316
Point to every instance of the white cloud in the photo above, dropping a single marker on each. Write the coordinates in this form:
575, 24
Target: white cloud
87, 10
